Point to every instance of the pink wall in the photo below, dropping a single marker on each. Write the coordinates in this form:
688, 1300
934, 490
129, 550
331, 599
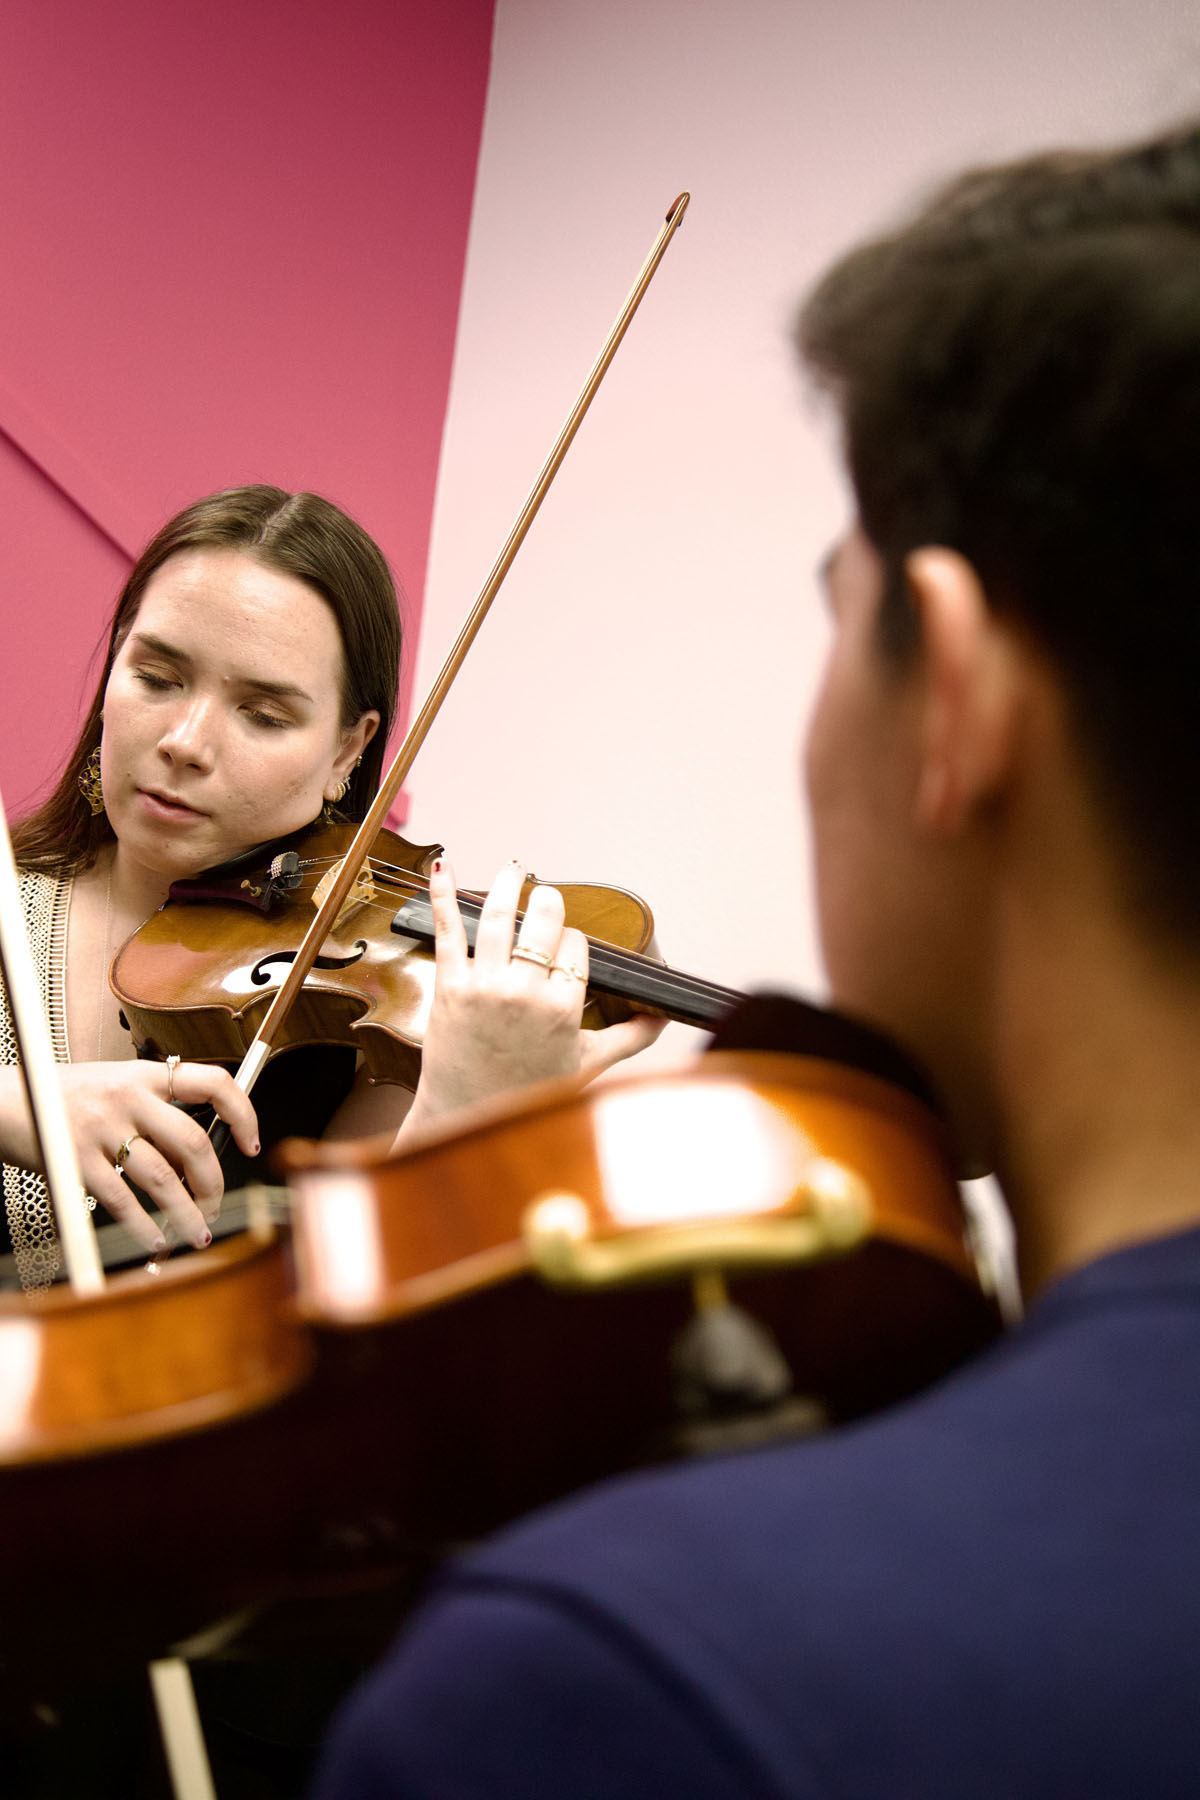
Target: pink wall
233, 244
644, 679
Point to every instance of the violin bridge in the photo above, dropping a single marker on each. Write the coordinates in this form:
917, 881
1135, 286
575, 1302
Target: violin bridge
362, 893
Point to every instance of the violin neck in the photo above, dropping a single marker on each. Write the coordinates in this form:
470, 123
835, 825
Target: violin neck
653, 987
625, 974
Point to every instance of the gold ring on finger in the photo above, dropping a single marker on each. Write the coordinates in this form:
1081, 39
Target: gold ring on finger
173, 1063
123, 1152
569, 969
521, 954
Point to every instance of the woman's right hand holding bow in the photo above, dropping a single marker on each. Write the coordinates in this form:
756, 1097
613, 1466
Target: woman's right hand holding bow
128, 1125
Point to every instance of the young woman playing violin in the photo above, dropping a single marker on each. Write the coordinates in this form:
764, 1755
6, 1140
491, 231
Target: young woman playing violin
248, 689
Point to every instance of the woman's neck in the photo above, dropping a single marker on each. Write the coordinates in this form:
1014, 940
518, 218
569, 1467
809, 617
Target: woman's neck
136, 892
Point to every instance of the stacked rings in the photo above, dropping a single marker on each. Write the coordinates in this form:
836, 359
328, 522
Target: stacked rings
521, 954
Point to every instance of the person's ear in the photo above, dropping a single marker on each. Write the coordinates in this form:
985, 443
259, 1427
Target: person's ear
354, 742
970, 691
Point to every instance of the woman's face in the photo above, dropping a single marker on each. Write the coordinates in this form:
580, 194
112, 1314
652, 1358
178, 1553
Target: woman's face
222, 714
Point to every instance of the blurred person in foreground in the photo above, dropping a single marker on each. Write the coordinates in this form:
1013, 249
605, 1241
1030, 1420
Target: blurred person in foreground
994, 1588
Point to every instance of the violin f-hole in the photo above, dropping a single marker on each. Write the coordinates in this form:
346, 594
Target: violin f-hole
273, 969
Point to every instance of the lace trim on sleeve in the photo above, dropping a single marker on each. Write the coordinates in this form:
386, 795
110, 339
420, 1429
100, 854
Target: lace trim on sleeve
46, 900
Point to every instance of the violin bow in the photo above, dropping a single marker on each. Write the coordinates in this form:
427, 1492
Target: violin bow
336, 891
50, 1127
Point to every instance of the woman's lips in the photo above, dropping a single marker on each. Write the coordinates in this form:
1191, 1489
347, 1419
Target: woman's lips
162, 806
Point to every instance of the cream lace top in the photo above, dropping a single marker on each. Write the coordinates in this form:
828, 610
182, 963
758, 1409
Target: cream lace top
47, 901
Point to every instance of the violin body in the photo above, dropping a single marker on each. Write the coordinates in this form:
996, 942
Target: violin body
197, 978
154, 1355
137, 1500
505, 1382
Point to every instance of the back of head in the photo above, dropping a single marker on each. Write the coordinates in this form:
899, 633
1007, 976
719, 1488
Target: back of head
1018, 371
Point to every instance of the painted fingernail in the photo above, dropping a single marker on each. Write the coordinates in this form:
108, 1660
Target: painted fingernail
204, 1240
437, 865
255, 1148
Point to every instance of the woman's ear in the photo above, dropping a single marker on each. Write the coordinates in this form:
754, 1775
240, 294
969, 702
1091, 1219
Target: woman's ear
971, 690
354, 742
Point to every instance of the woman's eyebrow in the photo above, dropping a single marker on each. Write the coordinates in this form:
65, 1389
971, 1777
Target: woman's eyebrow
282, 690
148, 641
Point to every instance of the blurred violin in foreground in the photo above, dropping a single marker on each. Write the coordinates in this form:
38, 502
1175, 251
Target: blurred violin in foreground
585, 1278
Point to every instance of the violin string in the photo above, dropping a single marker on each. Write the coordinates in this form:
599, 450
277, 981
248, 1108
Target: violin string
609, 960
603, 957
610, 957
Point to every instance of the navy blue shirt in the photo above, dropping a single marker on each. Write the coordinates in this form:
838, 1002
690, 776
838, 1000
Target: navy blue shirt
990, 1591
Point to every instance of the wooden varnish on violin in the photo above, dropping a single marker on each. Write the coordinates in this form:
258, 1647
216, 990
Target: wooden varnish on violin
185, 1347
523, 1279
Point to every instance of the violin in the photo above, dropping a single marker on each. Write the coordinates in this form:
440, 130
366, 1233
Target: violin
198, 977
523, 1294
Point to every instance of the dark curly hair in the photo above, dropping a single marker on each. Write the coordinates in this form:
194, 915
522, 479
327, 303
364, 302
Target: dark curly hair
1018, 372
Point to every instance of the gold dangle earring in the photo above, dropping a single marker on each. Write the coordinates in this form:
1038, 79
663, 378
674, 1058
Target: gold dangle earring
328, 815
343, 788
89, 782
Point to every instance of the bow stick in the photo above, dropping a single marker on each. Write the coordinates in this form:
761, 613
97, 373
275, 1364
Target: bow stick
336, 891
46, 1105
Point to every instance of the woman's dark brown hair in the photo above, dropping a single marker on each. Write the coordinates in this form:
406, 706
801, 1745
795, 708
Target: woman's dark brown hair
1018, 374
300, 535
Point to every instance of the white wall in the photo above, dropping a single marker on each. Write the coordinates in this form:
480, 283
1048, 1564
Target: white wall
633, 709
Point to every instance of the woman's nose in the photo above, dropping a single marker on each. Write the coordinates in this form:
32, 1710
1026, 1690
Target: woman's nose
189, 738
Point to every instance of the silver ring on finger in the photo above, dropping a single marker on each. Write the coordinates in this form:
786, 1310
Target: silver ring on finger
173, 1063
521, 954
569, 969
123, 1153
